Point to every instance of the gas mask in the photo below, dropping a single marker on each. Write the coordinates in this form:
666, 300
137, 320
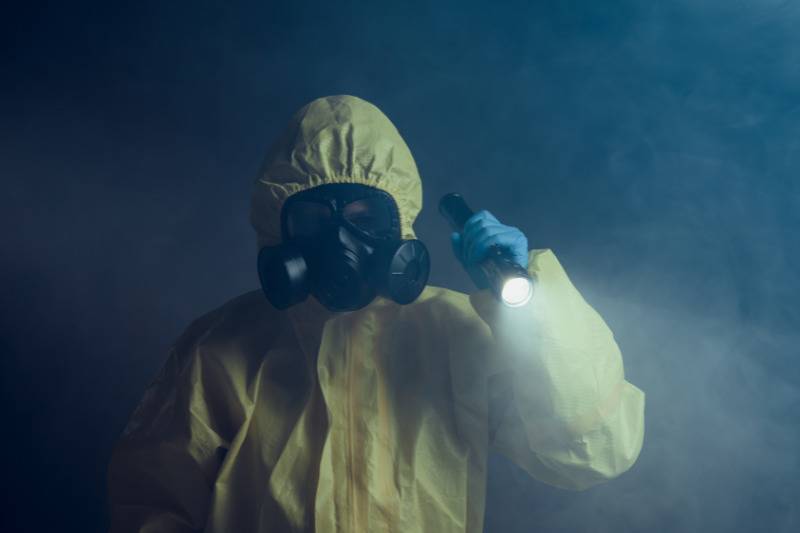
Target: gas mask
342, 244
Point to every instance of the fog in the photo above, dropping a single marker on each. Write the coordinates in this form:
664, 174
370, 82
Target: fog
653, 146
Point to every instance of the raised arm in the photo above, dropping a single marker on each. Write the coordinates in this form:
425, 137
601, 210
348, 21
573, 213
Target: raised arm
561, 407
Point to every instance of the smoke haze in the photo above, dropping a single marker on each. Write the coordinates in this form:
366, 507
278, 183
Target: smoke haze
654, 146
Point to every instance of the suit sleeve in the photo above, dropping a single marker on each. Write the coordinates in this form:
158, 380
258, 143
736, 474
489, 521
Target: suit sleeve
560, 406
163, 468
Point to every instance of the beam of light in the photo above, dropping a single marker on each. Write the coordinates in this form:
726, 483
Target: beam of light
517, 292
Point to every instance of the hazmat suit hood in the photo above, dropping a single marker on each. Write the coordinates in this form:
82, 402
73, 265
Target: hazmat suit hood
335, 139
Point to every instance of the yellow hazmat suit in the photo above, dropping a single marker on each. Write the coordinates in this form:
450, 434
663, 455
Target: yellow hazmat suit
379, 419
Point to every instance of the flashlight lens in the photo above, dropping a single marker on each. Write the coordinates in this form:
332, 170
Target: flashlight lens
517, 292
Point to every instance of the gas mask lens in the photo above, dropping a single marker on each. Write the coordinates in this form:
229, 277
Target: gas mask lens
308, 218
371, 216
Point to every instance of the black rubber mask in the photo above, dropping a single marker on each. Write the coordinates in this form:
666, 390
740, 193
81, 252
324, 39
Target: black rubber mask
342, 243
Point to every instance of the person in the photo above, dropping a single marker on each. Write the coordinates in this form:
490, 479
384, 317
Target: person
342, 414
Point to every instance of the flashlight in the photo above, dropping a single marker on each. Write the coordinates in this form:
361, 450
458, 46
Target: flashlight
510, 283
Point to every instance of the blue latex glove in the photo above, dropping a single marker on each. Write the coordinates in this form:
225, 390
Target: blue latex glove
480, 233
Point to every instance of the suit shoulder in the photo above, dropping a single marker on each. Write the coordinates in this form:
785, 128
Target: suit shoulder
443, 303
243, 325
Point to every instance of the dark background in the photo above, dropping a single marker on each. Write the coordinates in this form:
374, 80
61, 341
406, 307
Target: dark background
654, 146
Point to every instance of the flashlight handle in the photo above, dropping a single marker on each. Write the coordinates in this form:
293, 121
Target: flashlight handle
453, 207
498, 264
